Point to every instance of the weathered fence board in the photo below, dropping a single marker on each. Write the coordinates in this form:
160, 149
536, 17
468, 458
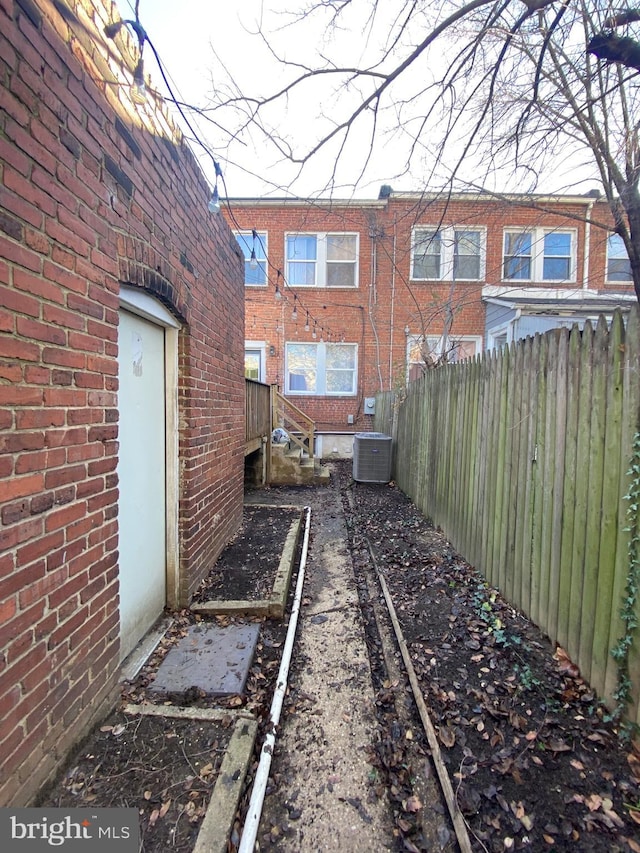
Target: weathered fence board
522, 457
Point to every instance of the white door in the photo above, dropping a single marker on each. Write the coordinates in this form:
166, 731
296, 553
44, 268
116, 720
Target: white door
142, 477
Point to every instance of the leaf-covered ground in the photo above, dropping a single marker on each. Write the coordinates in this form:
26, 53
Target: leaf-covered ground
534, 763
164, 768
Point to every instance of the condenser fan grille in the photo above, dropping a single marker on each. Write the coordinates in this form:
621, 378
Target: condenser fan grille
371, 457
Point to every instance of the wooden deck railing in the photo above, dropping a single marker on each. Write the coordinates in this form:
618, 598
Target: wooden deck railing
300, 427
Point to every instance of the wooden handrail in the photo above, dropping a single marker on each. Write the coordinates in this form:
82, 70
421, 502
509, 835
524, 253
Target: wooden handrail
287, 415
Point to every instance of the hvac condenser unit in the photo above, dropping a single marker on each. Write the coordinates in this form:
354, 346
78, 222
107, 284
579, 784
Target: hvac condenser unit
371, 457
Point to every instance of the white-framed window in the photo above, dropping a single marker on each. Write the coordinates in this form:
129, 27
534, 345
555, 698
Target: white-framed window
618, 265
321, 369
539, 255
448, 254
254, 249
254, 360
321, 260
423, 351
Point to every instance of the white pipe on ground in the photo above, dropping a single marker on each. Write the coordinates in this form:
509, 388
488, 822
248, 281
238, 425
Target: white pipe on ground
252, 822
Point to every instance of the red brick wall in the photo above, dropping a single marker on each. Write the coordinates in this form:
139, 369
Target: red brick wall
341, 311
387, 301
94, 192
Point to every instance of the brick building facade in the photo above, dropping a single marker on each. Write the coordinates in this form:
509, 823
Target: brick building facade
115, 283
393, 284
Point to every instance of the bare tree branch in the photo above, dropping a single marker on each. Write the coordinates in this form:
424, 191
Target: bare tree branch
520, 80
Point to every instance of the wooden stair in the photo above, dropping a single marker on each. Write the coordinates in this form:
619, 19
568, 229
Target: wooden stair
293, 462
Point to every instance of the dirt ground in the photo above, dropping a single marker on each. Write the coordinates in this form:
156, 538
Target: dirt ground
534, 763
246, 569
164, 768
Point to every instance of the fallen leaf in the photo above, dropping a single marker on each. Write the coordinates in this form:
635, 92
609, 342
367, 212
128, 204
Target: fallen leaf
447, 736
164, 808
118, 730
413, 804
557, 745
519, 723
518, 810
593, 802
147, 795
615, 818
596, 738
153, 817
634, 763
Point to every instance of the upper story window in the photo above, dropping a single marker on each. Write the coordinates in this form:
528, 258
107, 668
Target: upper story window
322, 260
254, 250
538, 255
321, 369
449, 254
618, 265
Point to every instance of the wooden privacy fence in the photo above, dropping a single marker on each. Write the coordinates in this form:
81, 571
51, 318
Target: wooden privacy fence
522, 457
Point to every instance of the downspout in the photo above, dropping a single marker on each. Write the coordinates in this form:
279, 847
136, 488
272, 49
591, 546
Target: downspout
373, 301
393, 304
587, 246
252, 822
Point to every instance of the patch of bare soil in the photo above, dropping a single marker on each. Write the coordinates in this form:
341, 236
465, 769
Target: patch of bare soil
167, 767
246, 569
535, 764
164, 768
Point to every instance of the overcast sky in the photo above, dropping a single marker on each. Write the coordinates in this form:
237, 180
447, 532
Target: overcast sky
203, 44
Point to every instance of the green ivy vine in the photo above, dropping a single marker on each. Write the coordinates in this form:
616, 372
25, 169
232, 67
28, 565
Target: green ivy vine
629, 609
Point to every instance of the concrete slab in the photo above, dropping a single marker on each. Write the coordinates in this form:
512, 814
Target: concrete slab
210, 657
